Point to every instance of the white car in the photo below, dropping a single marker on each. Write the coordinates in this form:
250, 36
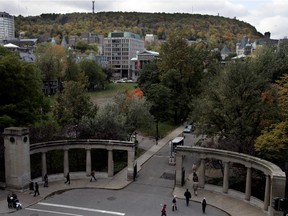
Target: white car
187, 129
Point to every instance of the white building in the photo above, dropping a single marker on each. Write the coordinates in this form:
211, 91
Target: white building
120, 48
7, 28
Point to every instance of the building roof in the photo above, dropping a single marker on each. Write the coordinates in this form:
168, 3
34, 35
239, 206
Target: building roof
225, 50
123, 34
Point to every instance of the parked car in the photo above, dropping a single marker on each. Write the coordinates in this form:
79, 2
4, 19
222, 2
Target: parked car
188, 128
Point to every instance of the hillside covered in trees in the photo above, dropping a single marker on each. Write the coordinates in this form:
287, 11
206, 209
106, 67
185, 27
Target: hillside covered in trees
217, 31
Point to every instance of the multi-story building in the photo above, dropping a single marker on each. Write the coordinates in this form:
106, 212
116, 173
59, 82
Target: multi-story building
90, 38
120, 48
7, 28
141, 60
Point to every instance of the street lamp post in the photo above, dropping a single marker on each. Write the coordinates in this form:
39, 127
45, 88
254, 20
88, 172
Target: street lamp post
157, 132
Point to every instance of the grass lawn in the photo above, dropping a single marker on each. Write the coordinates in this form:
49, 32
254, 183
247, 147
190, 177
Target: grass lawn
113, 89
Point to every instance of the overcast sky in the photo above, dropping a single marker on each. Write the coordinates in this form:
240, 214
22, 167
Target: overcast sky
265, 15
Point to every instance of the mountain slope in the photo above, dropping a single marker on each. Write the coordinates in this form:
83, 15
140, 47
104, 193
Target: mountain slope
216, 30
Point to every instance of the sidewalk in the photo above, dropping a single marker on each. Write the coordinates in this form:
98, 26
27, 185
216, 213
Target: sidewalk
232, 206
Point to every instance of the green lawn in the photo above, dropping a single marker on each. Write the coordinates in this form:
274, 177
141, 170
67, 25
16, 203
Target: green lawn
113, 89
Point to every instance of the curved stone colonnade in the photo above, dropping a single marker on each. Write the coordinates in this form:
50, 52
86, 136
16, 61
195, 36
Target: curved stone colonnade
65, 145
18, 151
275, 177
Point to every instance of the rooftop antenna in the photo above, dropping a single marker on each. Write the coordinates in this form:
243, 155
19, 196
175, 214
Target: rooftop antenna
93, 6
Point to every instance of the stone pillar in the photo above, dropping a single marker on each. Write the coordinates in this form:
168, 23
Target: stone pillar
88, 162
17, 158
110, 163
226, 177
277, 189
248, 184
202, 173
44, 164
66, 162
179, 165
130, 164
267, 193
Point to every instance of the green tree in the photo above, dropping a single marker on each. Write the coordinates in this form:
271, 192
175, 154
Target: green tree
149, 75
136, 110
73, 104
52, 61
96, 77
22, 101
107, 124
82, 46
117, 120
159, 98
231, 107
72, 72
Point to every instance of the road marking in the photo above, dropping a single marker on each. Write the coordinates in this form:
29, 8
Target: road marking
84, 209
54, 212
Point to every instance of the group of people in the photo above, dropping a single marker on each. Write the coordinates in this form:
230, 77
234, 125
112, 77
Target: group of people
13, 201
188, 196
34, 187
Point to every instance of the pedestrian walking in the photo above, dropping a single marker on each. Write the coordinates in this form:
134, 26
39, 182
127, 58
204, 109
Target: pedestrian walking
204, 203
93, 176
174, 203
163, 210
67, 178
36, 191
31, 187
46, 180
188, 196
194, 168
195, 183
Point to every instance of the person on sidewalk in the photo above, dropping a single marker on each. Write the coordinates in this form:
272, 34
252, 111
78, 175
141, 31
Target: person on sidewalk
174, 203
93, 176
67, 178
36, 192
204, 205
195, 183
46, 180
163, 210
188, 196
31, 187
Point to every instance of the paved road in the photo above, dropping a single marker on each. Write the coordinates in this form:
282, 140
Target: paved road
153, 187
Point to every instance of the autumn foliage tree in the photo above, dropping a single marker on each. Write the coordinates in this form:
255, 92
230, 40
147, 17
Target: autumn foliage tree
273, 142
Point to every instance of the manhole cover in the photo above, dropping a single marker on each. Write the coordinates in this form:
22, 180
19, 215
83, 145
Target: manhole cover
111, 198
170, 176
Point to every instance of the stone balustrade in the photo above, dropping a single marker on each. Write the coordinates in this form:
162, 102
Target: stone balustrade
275, 177
17, 144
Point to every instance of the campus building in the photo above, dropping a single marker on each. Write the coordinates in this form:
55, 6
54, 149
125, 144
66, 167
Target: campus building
7, 28
120, 48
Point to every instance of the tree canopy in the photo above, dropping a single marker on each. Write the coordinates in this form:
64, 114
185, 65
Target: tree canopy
22, 101
230, 106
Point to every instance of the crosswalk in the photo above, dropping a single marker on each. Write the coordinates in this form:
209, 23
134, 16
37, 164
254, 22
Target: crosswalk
70, 207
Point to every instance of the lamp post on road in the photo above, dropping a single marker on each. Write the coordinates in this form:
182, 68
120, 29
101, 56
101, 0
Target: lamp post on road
157, 132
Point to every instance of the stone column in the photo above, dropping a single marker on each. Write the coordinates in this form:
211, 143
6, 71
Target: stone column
130, 164
179, 165
88, 162
44, 164
110, 163
202, 173
248, 184
66, 162
226, 177
17, 158
267, 193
